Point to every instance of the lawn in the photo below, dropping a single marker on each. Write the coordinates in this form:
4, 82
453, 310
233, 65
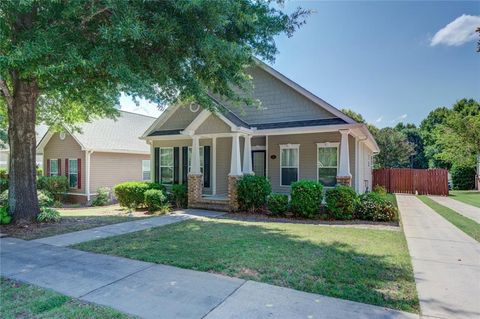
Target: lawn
468, 197
467, 225
365, 265
73, 219
26, 301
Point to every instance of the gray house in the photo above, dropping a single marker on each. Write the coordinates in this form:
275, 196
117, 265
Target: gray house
293, 135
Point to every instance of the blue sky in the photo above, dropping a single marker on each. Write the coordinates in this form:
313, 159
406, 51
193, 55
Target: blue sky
389, 61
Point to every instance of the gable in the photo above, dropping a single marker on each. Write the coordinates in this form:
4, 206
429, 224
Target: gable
213, 124
56, 147
180, 119
279, 102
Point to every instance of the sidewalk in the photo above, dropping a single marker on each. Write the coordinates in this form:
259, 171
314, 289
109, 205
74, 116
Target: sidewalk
446, 262
466, 210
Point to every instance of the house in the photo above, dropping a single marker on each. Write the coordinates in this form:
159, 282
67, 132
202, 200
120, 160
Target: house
294, 135
103, 153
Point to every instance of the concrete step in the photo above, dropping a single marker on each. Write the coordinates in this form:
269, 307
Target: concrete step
212, 204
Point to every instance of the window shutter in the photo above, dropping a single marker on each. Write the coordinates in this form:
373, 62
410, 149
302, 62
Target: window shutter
59, 168
184, 164
79, 173
206, 166
176, 165
156, 168
66, 168
48, 168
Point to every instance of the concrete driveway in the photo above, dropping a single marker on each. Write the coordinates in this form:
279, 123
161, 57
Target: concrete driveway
466, 210
446, 262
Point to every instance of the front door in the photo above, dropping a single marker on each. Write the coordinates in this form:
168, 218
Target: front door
258, 159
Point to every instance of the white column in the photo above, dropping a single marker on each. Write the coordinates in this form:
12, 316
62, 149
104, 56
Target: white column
344, 169
195, 155
247, 155
214, 166
87, 170
235, 164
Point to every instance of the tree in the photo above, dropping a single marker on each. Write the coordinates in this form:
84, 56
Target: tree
71, 60
417, 160
354, 115
427, 131
395, 149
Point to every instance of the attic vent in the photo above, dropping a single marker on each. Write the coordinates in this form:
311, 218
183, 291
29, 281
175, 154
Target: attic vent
62, 135
194, 108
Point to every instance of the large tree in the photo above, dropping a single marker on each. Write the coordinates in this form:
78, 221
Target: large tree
427, 130
395, 149
417, 160
72, 59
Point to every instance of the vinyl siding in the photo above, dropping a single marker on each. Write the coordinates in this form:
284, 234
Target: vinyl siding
180, 119
213, 124
62, 149
224, 151
110, 169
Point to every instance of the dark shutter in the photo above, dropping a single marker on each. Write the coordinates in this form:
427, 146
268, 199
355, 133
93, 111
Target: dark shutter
206, 166
176, 165
66, 167
59, 167
156, 168
48, 168
79, 173
184, 164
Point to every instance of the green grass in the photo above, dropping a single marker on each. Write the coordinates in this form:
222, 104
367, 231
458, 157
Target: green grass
364, 265
391, 197
467, 225
468, 197
19, 300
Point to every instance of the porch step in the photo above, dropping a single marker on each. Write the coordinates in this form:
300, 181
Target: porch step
212, 204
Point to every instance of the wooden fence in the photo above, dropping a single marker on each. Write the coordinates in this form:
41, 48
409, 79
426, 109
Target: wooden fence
412, 181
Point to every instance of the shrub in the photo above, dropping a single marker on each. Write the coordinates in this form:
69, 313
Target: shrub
3, 184
180, 195
44, 199
132, 194
307, 197
55, 185
252, 192
372, 206
154, 199
39, 172
103, 194
463, 177
277, 203
3, 173
5, 217
341, 202
379, 189
48, 215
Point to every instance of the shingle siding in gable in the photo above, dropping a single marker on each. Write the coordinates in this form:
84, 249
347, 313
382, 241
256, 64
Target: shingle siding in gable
180, 119
280, 103
213, 124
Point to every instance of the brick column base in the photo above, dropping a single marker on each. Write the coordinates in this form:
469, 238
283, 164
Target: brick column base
344, 180
195, 188
232, 192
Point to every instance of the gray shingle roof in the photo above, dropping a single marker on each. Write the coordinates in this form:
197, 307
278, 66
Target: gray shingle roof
317, 122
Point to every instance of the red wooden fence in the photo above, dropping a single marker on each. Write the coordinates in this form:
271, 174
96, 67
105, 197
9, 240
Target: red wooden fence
411, 181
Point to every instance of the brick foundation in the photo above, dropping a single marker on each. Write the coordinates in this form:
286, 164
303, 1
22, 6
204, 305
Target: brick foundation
344, 180
195, 188
232, 192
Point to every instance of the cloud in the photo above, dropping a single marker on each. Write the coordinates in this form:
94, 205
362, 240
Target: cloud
379, 119
400, 118
144, 107
458, 32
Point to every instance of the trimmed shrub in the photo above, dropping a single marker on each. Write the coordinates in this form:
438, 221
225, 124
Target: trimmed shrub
39, 172
253, 192
48, 215
277, 203
379, 189
341, 202
103, 194
372, 206
4, 198
3, 184
3, 173
154, 199
55, 185
44, 199
5, 217
132, 194
180, 195
463, 177
307, 197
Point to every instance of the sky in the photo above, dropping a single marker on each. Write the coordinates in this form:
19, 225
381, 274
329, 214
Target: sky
389, 61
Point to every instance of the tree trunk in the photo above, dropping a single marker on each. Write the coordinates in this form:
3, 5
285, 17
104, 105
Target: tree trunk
22, 191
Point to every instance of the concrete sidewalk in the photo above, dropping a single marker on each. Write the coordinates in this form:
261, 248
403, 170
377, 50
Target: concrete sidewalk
466, 210
68, 239
445, 260
158, 291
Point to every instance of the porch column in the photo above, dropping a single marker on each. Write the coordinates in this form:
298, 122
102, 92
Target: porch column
247, 155
344, 176
195, 177
195, 155
235, 173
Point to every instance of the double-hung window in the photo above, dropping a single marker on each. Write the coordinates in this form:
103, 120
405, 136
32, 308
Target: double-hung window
289, 162
73, 173
166, 165
327, 163
190, 159
146, 170
53, 167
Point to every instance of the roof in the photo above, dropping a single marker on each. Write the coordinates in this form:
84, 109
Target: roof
40, 130
318, 122
113, 135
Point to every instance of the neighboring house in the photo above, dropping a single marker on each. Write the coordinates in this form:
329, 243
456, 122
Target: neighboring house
5, 153
104, 153
294, 135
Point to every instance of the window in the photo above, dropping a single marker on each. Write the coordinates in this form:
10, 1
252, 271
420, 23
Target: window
73, 173
146, 170
289, 159
190, 159
327, 163
166, 165
53, 167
